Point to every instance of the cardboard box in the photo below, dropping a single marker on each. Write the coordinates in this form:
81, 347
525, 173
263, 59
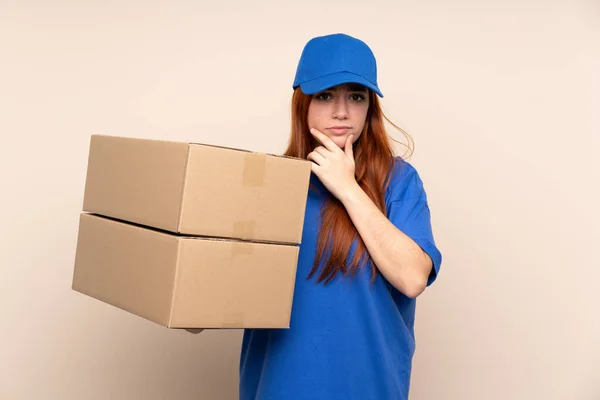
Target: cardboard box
183, 281
197, 189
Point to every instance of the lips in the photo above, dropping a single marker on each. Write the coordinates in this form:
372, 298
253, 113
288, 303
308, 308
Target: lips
338, 130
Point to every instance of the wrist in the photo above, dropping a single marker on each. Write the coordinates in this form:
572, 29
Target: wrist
351, 194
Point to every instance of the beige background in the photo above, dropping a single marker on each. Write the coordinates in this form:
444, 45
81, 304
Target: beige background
498, 95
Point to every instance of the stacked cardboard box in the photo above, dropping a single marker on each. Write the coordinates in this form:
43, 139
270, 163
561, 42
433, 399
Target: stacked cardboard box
190, 235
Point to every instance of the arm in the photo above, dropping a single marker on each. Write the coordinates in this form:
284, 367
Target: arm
399, 258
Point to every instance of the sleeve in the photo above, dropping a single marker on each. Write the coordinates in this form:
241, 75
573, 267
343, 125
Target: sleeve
411, 214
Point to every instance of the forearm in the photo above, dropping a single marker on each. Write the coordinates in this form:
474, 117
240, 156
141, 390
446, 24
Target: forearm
399, 258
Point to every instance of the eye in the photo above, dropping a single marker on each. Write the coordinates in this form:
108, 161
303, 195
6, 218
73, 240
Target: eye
358, 97
323, 96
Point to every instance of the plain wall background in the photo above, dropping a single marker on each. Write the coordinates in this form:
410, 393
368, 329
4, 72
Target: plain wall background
501, 98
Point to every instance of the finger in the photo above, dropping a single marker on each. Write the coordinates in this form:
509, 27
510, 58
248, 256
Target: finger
314, 168
327, 142
316, 157
322, 151
348, 148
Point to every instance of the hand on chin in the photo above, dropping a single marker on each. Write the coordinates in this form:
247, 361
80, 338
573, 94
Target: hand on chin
340, 141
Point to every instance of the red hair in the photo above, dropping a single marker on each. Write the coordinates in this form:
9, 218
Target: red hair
373, 155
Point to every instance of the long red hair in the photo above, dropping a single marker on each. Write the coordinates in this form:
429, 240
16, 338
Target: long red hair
373, 155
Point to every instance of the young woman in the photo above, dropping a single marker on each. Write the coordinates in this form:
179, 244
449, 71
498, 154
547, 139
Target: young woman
367, 249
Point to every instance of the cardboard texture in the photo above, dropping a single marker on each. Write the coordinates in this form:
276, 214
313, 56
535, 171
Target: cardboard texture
182, 281
197, 189
191, 235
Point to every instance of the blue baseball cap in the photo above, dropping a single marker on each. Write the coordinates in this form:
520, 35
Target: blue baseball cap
331, 60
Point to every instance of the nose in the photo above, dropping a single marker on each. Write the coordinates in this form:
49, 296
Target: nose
340, 110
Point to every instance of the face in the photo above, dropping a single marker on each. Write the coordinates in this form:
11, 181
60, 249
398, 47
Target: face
339, 112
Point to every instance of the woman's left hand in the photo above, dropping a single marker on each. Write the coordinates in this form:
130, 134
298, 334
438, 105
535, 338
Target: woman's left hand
333, 166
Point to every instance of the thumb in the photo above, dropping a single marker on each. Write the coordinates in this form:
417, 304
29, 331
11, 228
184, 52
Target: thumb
348, 147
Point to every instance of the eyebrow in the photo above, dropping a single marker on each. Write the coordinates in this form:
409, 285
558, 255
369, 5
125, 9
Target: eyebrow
355, 87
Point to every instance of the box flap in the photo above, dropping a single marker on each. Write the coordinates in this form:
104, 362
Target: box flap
137, 180
130, 267
226, 284
247, 151
245, 195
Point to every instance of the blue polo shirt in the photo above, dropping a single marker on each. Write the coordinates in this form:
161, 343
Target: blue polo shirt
348, 339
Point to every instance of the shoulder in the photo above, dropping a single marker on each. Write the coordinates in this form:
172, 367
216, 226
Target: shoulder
404, 181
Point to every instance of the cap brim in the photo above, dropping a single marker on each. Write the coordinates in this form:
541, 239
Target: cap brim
329, 81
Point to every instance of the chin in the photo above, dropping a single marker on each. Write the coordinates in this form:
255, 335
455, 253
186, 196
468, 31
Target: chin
339, 140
